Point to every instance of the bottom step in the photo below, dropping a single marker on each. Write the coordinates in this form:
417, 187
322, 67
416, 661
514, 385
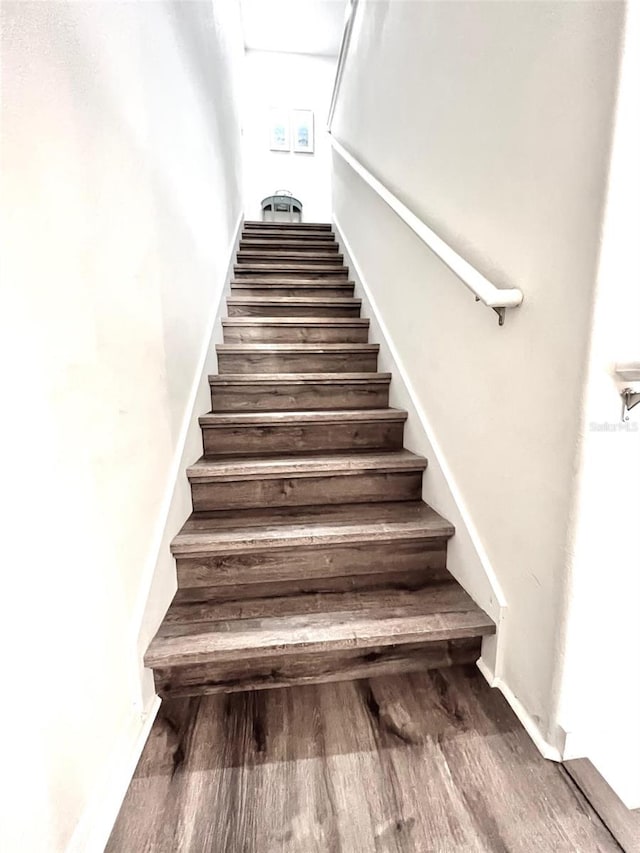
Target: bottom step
204, 648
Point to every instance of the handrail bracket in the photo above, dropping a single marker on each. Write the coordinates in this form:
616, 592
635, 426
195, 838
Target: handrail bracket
501, 312
629, 400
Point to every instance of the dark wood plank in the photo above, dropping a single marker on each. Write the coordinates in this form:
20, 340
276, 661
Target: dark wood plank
333, 622
312, 668
260, 225
328, 244
278, 255
303, 437
293, 306
319, 525
288, 271
317, 289
297, 358
623, 823
309, 564
423, 763
277, 392
295, 330
426, 563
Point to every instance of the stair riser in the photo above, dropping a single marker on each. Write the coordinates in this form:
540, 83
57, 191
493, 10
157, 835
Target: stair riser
292, 228
383, 582
278, 256
275, 310
265, 224
296, 334
276, 236
292, 398
281, 272
307, 491
310, 668
337, 291
237, 575
296, 245
302, 438
271, 362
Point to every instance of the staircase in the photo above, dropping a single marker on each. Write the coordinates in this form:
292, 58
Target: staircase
309, 555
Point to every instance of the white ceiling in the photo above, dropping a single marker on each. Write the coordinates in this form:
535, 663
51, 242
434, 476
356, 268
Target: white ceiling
294, 26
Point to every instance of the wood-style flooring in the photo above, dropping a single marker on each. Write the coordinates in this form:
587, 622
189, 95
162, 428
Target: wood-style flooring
431, 762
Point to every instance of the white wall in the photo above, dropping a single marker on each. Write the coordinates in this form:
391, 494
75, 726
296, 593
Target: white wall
290, 81
121, 194
600, 680
492, 122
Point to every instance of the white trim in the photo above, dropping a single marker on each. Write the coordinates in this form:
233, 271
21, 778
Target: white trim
95, 826
629, 371
172, 477
481, 287
426, 424
543, 745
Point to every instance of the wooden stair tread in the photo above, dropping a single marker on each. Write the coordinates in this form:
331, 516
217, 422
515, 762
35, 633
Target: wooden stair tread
295, 321
278, 252
294, 300
306, 238
281, 527
331, 416
298, 242
297, 378
275, 267
298, 282
302, 226
193, 633
334, 464
296, 348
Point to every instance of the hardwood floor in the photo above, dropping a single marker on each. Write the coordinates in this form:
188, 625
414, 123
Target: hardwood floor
623, 823
433, 762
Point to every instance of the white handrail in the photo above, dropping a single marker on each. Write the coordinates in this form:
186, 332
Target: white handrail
629, 371
342, 55
493, 297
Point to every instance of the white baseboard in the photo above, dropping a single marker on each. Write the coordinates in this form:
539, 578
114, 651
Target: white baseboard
96, 822
175, 469
493, 649
400, 372
543, 745
93, 831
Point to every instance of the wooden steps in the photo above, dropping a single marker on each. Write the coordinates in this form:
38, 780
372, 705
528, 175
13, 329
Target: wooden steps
275, 235
297, 358
309, 555
208, 648
293, 391
326, 244
289, 256
302, 432
289, 271
258, 225
293, 306
286, 550
299, 288
305, 480
295, 330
